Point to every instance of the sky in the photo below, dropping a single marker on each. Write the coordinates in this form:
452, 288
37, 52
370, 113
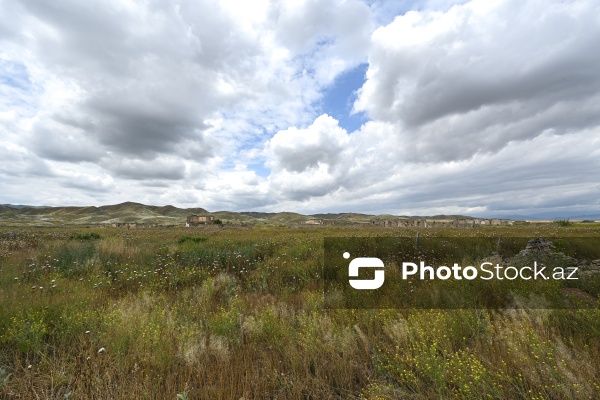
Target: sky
482, 107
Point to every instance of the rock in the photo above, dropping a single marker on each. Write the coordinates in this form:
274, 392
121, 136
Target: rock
539, 245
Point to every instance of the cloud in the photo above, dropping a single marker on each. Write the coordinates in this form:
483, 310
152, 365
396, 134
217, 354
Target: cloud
483, 74
324, 158
475, 106
343, 28
18, 162
87, 182
549, 171
299, 149
166, 168
60, 142
145, 80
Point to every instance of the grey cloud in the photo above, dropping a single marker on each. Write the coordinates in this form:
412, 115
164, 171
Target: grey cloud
63, 143
240, 201
308, 191
491, 128
571, 76
547, 172
478, 83
134, 129
302, 25
79, 36
187, 198
21, 163
93, 42
148, 76
86, 186
81, 121
137, 169
155, 183
550, 172
298, 160
10, 19
199, 149
497, 111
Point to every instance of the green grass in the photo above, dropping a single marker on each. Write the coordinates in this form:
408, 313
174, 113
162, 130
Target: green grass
239, 313
86, 236
192, 239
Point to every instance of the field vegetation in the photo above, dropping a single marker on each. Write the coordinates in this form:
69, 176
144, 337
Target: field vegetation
237, 313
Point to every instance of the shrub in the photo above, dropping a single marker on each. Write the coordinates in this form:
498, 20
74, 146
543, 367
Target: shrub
193, 239
85, 236
563, 222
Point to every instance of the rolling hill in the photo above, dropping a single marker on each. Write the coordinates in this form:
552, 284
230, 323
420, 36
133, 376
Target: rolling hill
130, 212
124, 212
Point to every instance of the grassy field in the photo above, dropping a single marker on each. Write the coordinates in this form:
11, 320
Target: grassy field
237, 314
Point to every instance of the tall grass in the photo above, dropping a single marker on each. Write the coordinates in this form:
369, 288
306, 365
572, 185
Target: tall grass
238, 314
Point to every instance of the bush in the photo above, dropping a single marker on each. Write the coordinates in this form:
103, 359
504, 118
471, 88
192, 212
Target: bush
193, 239
86, 236
563, 222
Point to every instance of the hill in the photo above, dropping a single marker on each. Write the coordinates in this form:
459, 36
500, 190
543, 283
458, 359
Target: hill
91, 215
130, 212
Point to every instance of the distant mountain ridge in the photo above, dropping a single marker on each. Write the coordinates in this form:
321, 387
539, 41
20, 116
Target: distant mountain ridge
129, 212
19, 206
575, 216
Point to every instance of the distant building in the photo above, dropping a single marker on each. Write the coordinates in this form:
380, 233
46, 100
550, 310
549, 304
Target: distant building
313, 222
398, 223
127, 225
195, 220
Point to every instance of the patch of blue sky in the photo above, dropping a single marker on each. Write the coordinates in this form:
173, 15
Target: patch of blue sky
247, 149
14, 75
259, 169
385, 11
305, 61
17, 92
338, 99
